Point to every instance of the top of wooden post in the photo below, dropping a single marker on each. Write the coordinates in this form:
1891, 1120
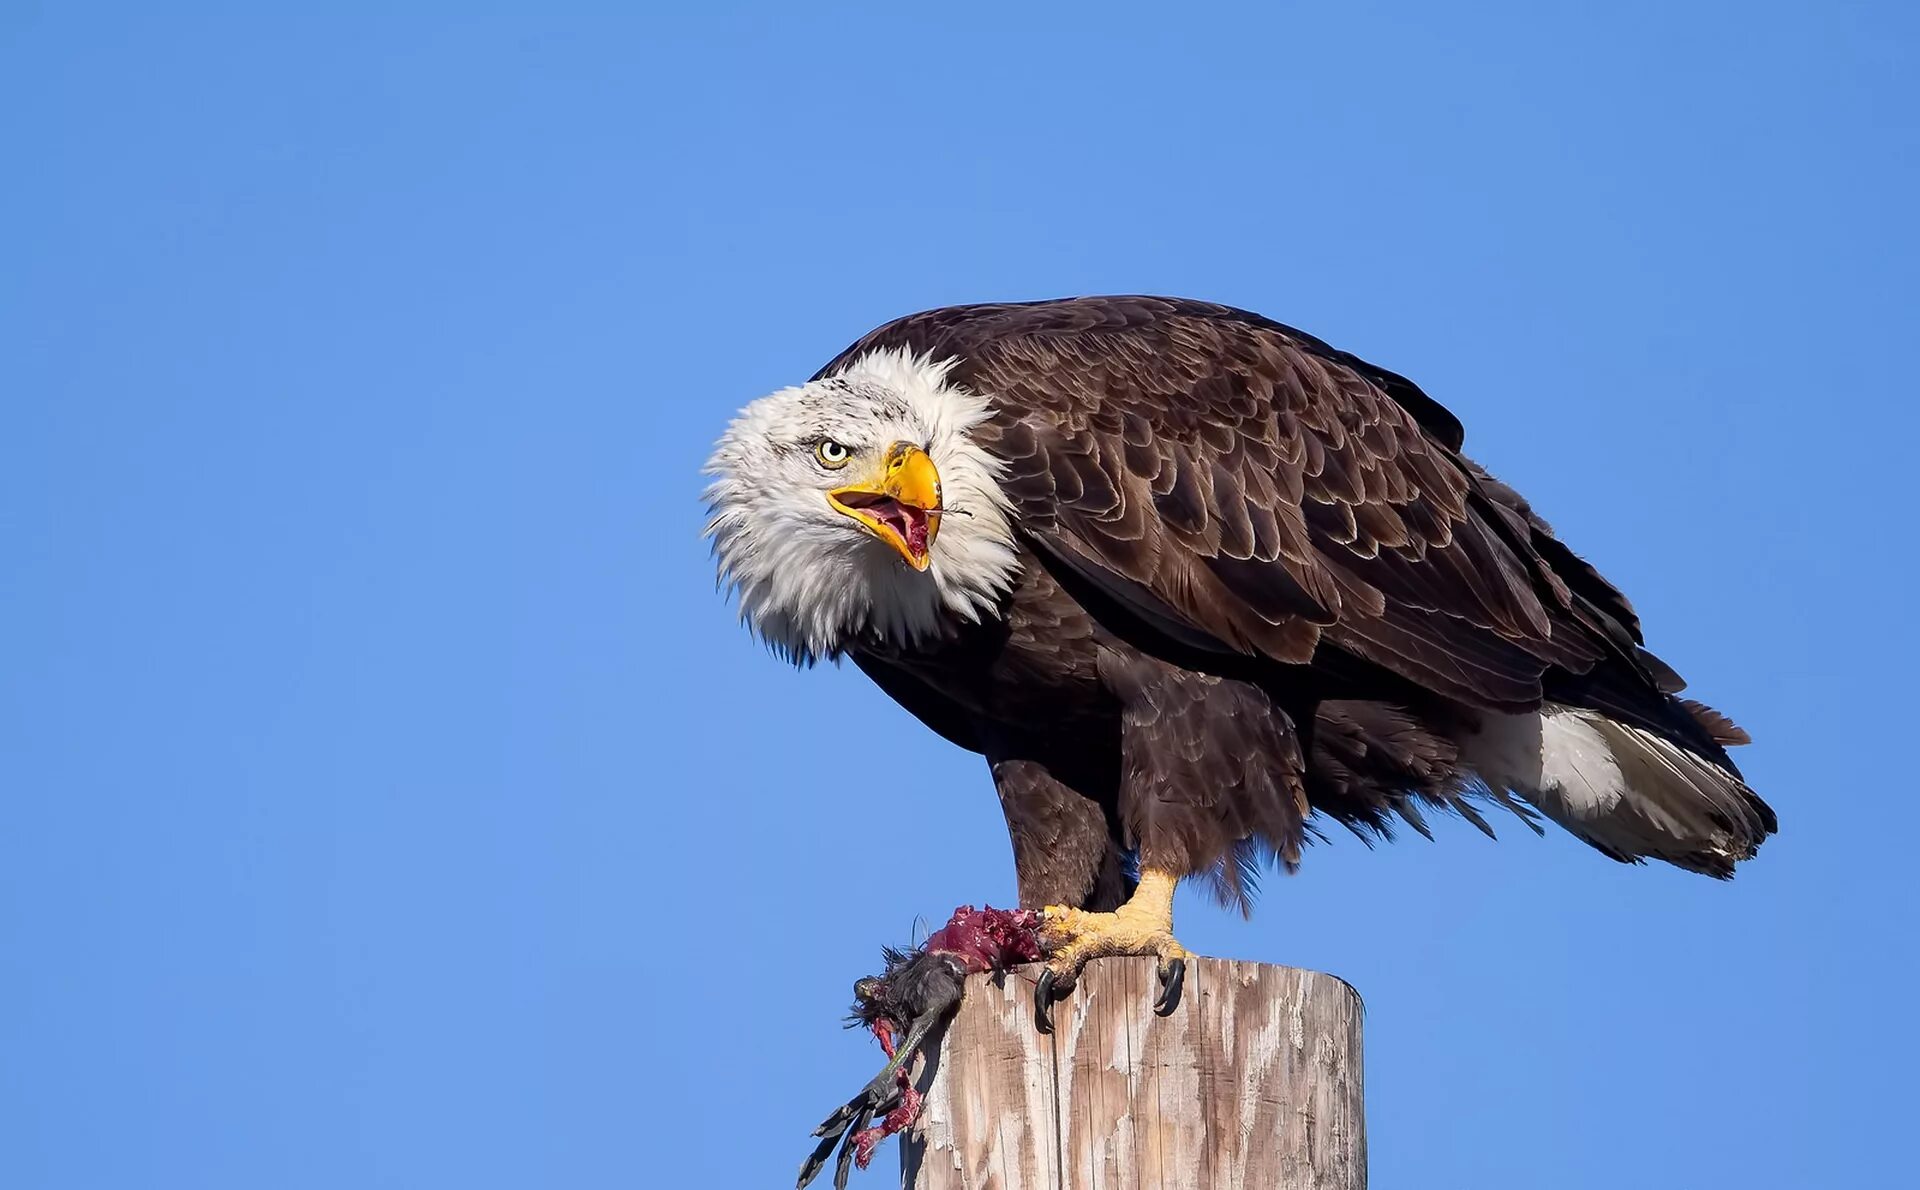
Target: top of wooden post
1253, 1083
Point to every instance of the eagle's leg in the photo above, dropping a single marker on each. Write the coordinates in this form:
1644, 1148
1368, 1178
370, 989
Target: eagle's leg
1143, 925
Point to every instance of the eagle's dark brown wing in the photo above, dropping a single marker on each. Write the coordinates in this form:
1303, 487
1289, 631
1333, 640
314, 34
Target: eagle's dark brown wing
1248, 488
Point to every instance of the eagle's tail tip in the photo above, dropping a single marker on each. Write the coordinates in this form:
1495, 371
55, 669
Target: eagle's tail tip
1631, 793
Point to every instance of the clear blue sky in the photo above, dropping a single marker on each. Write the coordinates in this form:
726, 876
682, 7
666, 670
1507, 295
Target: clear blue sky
387, 800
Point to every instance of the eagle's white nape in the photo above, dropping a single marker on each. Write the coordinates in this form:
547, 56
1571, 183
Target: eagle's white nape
1619, 786
811, 582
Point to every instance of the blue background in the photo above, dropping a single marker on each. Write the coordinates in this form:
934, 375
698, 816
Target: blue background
386, 799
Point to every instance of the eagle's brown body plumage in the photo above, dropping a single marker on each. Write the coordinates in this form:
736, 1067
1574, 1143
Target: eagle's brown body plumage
1259, 579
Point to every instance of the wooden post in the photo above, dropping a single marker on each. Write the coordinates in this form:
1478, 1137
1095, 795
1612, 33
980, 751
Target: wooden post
1253, 1083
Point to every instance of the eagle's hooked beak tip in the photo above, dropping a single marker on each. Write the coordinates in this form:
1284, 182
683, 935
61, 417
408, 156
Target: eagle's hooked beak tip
900, 504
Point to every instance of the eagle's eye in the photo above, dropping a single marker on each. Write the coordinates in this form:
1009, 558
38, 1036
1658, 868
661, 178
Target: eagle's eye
832, 454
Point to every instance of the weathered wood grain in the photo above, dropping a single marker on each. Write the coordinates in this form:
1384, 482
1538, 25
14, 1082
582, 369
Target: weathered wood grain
1252, 1084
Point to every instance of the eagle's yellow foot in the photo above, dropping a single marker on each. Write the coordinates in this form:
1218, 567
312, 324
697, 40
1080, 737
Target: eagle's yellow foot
1144, 925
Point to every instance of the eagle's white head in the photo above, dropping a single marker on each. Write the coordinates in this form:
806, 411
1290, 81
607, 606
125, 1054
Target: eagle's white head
858, 507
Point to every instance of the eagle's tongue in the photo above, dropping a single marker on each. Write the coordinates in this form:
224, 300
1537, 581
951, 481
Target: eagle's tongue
916, 534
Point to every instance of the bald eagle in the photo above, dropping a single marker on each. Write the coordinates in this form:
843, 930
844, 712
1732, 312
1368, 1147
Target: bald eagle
1192, 581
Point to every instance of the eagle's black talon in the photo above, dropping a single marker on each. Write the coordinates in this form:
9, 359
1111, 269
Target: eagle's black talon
1043, 1002
1173, 977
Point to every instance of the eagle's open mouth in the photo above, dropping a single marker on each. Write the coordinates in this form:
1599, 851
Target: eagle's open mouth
908, 522
899, 503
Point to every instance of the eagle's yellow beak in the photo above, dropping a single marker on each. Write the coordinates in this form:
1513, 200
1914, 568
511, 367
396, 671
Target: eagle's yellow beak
900, 504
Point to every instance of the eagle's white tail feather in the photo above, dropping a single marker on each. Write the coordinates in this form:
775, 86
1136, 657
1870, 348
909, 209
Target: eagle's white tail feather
1627, 791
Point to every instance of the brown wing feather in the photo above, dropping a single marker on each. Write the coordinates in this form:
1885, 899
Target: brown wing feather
1265, 492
